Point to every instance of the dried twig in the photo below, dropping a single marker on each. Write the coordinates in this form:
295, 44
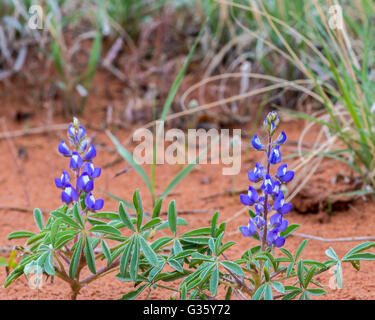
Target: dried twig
345, 239
37, 130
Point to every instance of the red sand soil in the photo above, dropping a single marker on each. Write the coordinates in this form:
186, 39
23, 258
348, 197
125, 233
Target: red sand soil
43, 163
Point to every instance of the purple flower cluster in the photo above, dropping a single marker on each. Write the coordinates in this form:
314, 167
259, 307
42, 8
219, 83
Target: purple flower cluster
272, 199
81, 164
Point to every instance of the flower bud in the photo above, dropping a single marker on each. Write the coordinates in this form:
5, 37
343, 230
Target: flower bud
271, 122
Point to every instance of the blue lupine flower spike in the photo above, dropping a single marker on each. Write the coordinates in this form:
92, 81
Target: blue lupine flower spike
270, 206
85, 178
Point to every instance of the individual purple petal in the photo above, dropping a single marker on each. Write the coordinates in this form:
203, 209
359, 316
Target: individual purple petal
283, 175
85, 183
63, 149
249, 230
259, 222
69, 194
91, 153
272, 236
276, 219
257, 144
71, 131
276, 188
275, 156
63, 181
90, 201
98, 204
246, 200
279, 201
97, 172
279, 242
250, 198
287, 207
256, 174
267, 185
75, 161
81, 132
288, 176
283, 225
82, 145
58, 183
65, 198
280, 139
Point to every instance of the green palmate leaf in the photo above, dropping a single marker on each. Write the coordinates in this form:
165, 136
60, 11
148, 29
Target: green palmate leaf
75, 259
211, 245
268, 292
177, 248
172, 216
175, 265
225, 247
48, 264
38, 217
204, 231
89, 253
316, 292
214, 224
300, 249
148, 251
126, 155
338, 275
291, 295
218, 242
138, 208
106, 251
159, 243
68, 220
106, 229
287, 253
289, 230
214, 281
195, 240
183, 293
308, 277
151, 224
300, 272
359, 248
106, 215
77, 215
278, 286
332, 254
35, 238
125, 258
135, 293
235, 268
20, 234
64, 237
368, 256
165, 224
228, 294
259, 293
157, 208
134, 261
55, 228
124, 216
